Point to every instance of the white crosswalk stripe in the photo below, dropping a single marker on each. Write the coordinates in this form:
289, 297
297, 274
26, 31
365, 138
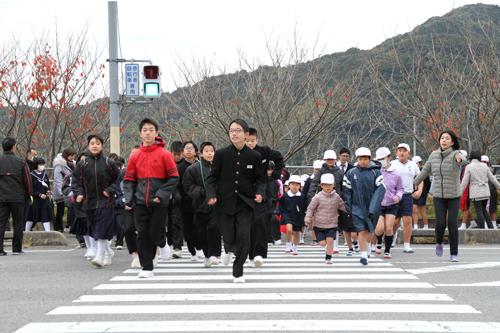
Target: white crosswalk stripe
286, 290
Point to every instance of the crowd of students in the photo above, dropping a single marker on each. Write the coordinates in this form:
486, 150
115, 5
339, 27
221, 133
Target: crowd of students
241, 196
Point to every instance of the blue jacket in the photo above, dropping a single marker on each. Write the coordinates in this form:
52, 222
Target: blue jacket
292, 208
364, 190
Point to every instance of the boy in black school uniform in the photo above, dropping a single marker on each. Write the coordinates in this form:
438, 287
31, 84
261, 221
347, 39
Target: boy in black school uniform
189, 229
150, 179
258, 232
175, 234
234, 186
194, 183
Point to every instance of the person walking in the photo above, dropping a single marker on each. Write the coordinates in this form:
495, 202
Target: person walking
14, 176
445, 163
476, 176
63, 166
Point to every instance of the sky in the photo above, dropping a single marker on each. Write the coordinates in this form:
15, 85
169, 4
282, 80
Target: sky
167, 31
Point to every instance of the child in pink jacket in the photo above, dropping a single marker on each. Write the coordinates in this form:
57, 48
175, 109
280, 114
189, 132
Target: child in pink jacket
324, 207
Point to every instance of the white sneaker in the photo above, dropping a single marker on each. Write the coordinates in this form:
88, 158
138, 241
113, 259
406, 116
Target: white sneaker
214, 261
251, 263
258, 261
177, 253
135, 261
345, 244
98, 261
270, 244
194, 258
145, 274
295, 252
119, 247
415, 226
462, 227
107, 259
278, 242
288, 248
226, 258
239, 280
374, 247
165, 252
155, 260
200, 254
86, 256
91, 254
206, 262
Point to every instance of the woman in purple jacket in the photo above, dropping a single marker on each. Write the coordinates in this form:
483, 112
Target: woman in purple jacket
393, 193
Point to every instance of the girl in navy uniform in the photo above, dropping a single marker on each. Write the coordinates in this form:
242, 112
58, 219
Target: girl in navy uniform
93, 182
292, 208
42, 209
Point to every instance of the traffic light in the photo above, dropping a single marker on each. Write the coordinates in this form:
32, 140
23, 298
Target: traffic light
152, 81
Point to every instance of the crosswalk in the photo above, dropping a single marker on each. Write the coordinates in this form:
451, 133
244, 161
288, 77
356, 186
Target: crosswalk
289, 293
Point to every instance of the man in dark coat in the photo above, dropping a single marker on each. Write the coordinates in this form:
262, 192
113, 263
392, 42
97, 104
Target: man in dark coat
16, 184
234, 186
258, 232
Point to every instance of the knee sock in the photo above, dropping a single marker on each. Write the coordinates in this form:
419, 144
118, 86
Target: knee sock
93, 243
107, 249
29, 224
388, 243
87, 241
101, 246
336, 243
379, 240
46, 226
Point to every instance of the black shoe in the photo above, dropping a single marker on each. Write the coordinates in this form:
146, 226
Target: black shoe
17, 253
3, 253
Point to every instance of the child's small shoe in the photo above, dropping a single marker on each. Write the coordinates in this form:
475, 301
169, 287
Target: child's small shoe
328, 261
349, 253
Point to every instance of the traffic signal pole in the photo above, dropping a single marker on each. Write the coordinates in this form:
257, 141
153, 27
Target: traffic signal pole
114, 109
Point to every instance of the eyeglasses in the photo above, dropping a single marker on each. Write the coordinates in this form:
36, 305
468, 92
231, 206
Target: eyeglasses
188, 148
238, 130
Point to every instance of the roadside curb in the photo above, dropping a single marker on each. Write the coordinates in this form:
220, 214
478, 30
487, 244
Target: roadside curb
34, 238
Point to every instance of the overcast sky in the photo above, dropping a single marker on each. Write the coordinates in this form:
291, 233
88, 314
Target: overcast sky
163, 30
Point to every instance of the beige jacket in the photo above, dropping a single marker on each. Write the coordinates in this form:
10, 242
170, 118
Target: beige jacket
477, 174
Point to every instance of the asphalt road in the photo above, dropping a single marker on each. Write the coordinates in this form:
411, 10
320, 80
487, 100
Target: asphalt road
56, 290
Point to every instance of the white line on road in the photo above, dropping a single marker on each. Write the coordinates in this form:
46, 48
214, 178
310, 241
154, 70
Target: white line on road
260, 296
477, 284
292, 277
295, 259
265, 285
264, 326
292, 265
453, 267
262, 308
266, 269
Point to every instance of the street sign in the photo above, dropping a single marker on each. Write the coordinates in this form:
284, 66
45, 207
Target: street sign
132, 83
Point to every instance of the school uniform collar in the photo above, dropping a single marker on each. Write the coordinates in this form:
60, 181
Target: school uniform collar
291, 195
242, 148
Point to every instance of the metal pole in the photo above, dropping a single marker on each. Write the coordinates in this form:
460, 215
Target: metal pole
414, 137
114, 111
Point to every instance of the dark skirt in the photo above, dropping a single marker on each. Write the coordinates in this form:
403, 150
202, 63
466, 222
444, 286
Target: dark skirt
102, 223
79, 227
42, 210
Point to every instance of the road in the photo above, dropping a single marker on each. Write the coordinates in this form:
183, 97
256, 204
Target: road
57, 290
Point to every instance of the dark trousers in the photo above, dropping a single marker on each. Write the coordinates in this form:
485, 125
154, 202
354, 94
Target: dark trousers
58, 223
276, 227
189, 231
130, 234
17, 211
482, 214
258, 231
120, 220
236, 232
209, 234
450, 207
175, 236
150, 226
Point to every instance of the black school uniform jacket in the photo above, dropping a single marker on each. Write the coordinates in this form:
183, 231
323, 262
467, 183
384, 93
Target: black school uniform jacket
15, 179
195, 185
186, 200
151, 173
292, 208
91, 177
269, 154
78, 207
235, 174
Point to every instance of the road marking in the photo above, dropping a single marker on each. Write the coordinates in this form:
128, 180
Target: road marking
477, 284
261, 308
292, 277
264, 326
264, 285
293, 259
261, 296
291, 265
266, 269
452, 267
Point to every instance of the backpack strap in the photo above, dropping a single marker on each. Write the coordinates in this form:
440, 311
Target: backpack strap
202, 177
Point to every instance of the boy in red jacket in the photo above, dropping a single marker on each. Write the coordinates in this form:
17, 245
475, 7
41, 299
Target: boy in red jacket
150, 179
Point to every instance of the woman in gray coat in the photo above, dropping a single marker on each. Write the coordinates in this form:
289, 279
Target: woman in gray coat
478, 174
445, 164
